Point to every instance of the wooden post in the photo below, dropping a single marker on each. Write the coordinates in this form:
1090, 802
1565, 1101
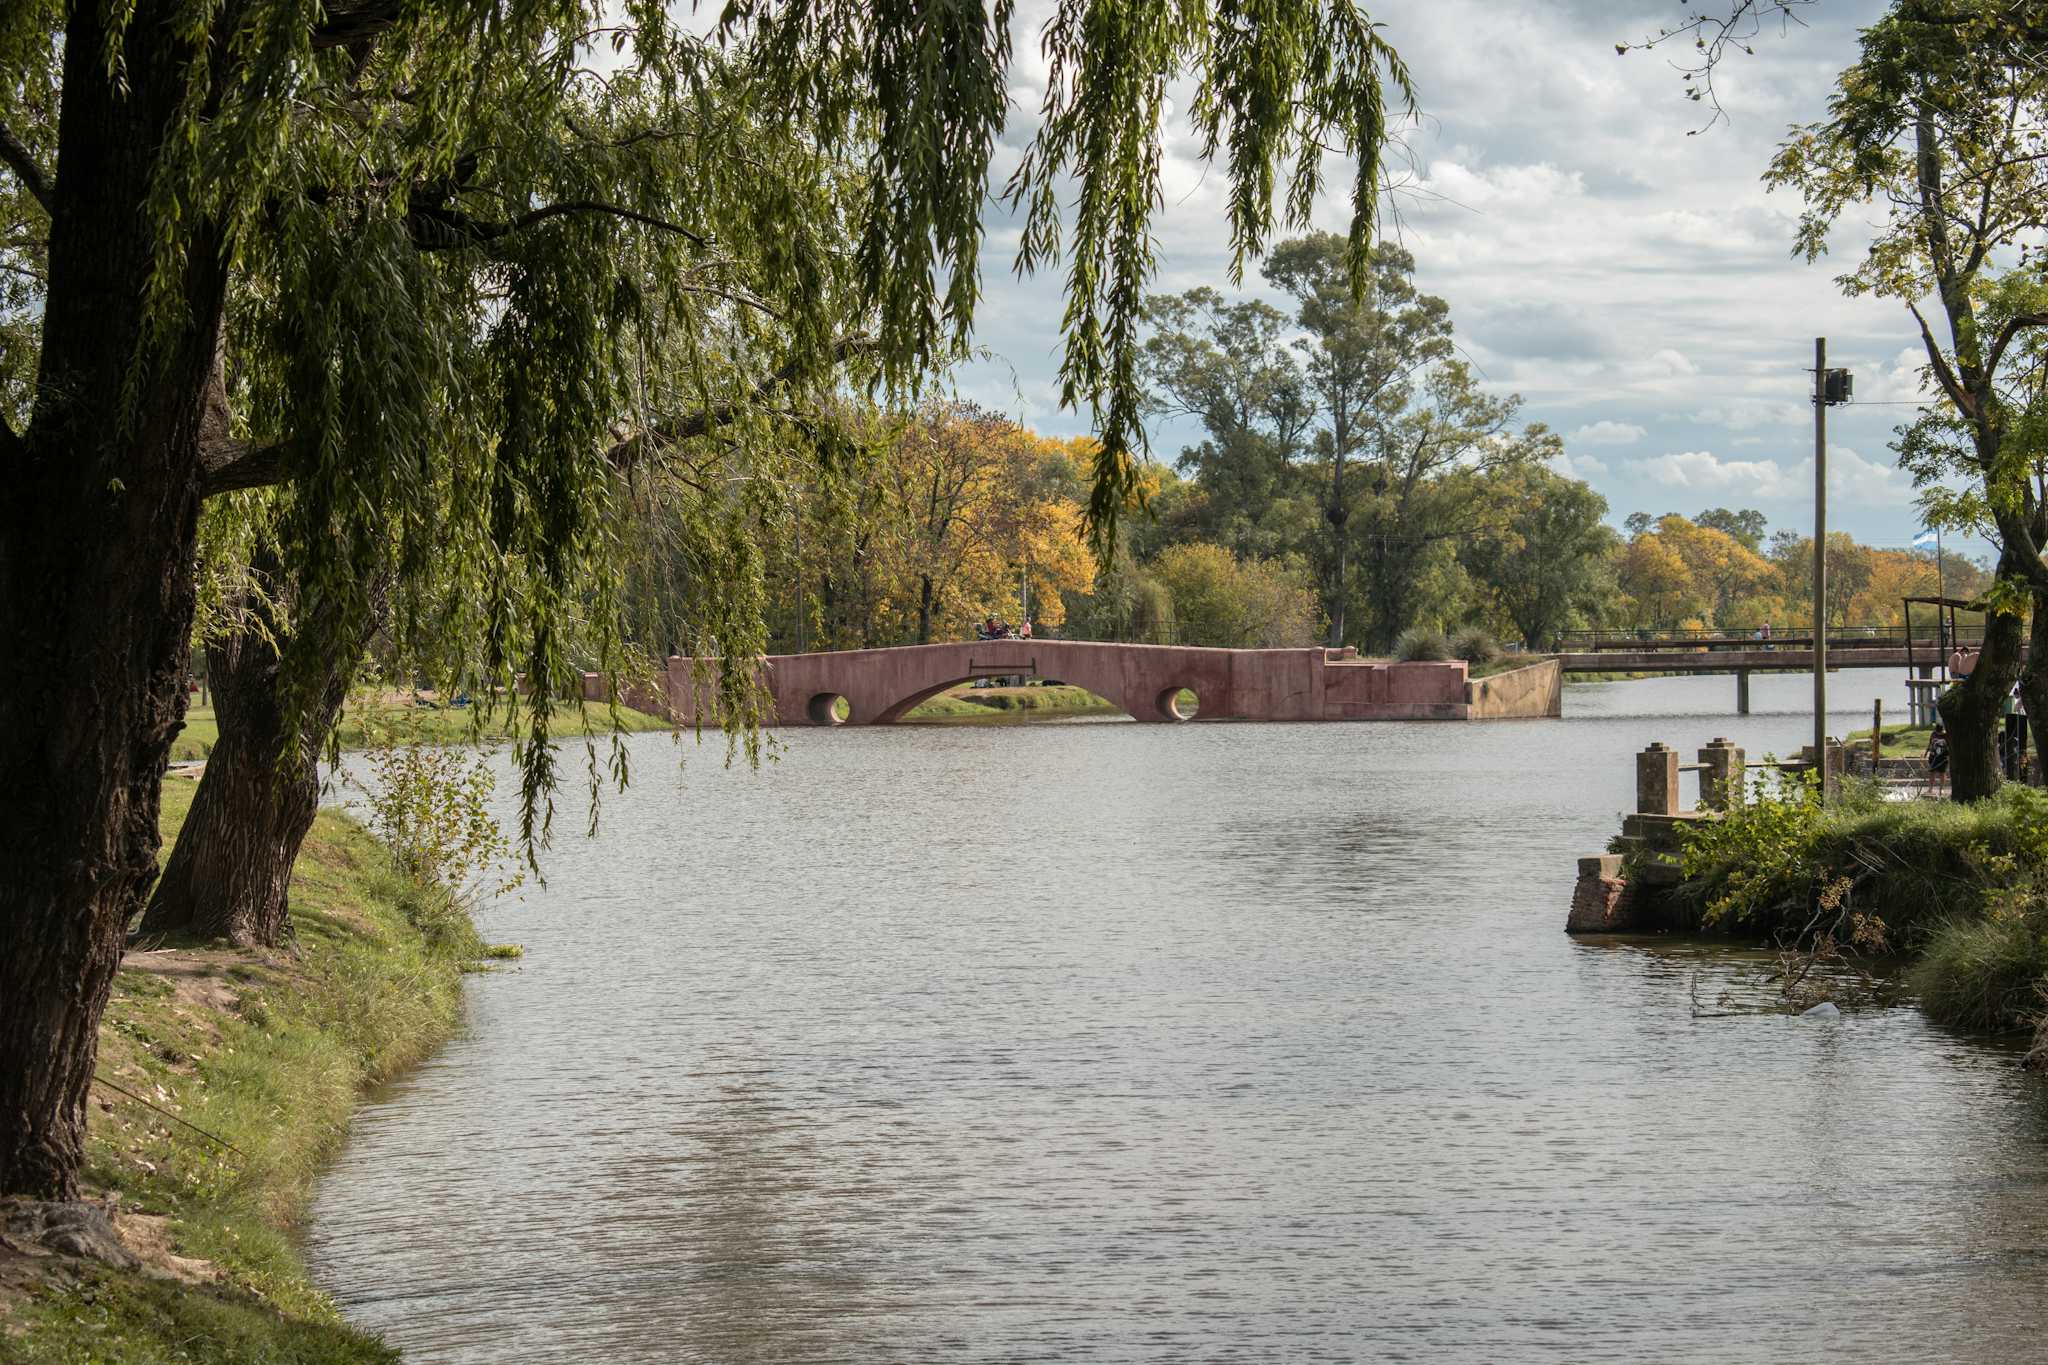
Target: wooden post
1741, 691
1876, 733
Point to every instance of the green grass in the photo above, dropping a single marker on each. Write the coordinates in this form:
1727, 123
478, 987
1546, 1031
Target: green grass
433, 725
1016, 703
268, 1053
1900, 741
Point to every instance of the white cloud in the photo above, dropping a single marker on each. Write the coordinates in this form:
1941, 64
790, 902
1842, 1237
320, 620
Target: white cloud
1851, 477
1577, 466
1606, 433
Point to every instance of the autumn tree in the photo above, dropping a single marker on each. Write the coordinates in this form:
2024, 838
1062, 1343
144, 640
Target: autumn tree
334, 155
970, 526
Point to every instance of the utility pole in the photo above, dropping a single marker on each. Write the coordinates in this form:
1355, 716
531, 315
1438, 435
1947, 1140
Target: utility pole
1820, 553
1829, 387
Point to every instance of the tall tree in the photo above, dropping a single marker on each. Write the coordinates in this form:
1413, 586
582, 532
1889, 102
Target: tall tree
1543, 557
1363, 355
1938, 124
1228, 366
333, 153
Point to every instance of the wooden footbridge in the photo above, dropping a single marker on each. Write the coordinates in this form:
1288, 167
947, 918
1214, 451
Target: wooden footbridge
1742, 655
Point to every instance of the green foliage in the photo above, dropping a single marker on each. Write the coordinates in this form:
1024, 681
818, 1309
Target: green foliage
1422, 644
1220, 600
1910, 865
1474, 646
430, 806
1987, 973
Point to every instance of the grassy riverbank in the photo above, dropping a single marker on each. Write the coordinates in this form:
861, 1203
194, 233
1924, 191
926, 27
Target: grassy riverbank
436, 725
268, 1054
1961, 891
1900, 741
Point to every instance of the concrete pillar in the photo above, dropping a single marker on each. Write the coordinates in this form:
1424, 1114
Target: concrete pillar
1657, 780
1832, 770
1721, 775
1741, 691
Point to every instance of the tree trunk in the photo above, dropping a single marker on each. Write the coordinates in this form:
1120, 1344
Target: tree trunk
97, 535
1339, 518
924, 609
1974, 711
230, 871
2034, 685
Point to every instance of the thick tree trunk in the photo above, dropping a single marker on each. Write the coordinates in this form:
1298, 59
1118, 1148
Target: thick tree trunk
924, 609
1974, 711
229, 874
97, 533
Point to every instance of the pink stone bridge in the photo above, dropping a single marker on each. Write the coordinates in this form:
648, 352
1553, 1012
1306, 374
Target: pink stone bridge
881, 686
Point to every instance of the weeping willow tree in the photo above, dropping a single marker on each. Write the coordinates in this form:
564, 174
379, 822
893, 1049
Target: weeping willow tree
456, 224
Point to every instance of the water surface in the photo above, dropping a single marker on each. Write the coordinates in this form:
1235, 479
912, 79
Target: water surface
1115, 1042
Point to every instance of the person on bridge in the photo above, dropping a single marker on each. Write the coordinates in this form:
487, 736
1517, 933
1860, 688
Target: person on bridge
1024, 631
1962, 663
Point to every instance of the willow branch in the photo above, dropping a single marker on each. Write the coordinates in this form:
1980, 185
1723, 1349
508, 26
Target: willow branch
438, 229
25, 168
624, 454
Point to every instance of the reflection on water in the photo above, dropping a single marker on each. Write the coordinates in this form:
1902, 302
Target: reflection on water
1120, 1042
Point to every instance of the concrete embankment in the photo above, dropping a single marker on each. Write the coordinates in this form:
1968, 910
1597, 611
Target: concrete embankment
227, 1078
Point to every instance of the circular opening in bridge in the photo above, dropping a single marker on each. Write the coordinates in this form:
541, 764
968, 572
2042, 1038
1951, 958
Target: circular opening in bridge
1179, 703
829, 708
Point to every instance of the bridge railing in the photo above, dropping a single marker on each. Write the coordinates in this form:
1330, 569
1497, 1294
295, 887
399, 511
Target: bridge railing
1842, 637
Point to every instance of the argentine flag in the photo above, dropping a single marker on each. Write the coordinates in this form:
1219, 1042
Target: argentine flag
1926, 540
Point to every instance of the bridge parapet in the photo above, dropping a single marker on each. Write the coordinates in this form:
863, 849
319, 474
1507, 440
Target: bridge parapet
881, 686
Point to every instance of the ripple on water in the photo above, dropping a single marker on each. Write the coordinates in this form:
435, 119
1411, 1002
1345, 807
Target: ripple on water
1119, 1042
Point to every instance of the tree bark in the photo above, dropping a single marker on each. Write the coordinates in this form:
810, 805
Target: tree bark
97, 534
924, 609
2034, 684
1974, 711
230, 872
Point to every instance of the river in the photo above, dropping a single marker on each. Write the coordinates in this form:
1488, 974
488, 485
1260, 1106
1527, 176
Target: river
1106, 1042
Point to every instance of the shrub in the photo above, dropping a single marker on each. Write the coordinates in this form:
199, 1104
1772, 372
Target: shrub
1422, 644
1475, 646
1986, 973
1914, 865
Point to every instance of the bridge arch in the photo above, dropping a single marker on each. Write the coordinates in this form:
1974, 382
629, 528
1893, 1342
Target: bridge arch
881, 686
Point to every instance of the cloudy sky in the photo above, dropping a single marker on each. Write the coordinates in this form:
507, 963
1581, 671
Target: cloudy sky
1633, 283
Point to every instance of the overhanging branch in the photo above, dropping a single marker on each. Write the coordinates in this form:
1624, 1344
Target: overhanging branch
2014, 325
442, 229
229, 466
626, 453
348, 24
25, 168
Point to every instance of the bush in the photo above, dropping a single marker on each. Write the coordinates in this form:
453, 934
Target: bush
1421, 644
1916, 866
1475, 646
1986, 974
